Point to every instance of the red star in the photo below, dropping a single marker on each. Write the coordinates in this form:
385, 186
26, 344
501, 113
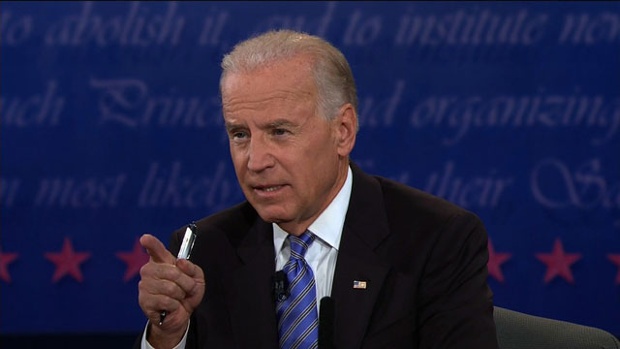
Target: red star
5, 260
134, 259
558, 262
615, 258
67, 261
495, 262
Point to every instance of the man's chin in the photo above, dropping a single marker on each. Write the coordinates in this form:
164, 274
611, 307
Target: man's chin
272, 217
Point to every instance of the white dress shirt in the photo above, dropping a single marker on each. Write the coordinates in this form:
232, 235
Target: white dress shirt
322, 253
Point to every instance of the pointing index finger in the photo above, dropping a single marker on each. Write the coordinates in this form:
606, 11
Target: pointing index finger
156, 249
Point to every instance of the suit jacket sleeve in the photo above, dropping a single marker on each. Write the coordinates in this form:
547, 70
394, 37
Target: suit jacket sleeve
456, 309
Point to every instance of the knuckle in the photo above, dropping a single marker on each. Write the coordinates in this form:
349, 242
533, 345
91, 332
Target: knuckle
146, 269
169, 304
169, 273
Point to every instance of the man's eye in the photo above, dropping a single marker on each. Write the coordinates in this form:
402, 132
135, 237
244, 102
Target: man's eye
238, 135
280, 131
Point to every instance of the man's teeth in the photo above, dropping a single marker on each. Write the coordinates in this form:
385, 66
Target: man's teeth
272, 188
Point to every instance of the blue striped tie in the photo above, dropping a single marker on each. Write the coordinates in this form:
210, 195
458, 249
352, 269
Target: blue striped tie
297, 315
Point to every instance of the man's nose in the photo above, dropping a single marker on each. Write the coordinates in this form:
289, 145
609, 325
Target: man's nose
260, 156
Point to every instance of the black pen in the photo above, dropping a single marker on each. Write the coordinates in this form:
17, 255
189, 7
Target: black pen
184, 252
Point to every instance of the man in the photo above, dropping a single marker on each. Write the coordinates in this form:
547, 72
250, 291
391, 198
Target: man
404, 269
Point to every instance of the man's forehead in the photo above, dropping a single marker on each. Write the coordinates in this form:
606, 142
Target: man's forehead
267, 96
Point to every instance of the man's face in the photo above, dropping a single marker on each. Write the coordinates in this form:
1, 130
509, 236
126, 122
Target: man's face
289, 160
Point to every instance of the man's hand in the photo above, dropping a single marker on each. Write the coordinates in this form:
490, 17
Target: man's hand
176, 286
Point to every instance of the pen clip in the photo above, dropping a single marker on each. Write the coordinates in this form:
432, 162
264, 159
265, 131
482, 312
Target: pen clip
188, 242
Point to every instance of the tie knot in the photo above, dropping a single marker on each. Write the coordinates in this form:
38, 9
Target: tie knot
299, 245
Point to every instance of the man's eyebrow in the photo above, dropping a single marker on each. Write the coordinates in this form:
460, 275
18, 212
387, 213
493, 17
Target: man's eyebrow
269, 125
280, 123
231, 125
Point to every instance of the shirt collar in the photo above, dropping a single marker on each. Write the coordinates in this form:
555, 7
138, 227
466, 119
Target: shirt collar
328, 226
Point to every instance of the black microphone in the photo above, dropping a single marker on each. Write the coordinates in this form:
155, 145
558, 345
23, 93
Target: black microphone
280, 286
326, 324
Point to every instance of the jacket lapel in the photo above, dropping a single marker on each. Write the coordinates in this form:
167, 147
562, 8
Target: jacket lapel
250, 295
359, 273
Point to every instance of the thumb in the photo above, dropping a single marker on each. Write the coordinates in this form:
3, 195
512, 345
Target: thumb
197, 290
156, 249
191, 269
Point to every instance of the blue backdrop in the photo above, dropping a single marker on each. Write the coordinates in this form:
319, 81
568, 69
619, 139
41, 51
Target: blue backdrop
111, 127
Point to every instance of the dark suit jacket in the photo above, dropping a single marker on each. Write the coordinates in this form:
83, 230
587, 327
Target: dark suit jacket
423, 258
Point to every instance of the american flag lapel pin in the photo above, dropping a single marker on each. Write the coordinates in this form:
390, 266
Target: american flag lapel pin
360, 285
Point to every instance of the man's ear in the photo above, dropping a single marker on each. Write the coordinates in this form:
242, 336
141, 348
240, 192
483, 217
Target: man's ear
346, 129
